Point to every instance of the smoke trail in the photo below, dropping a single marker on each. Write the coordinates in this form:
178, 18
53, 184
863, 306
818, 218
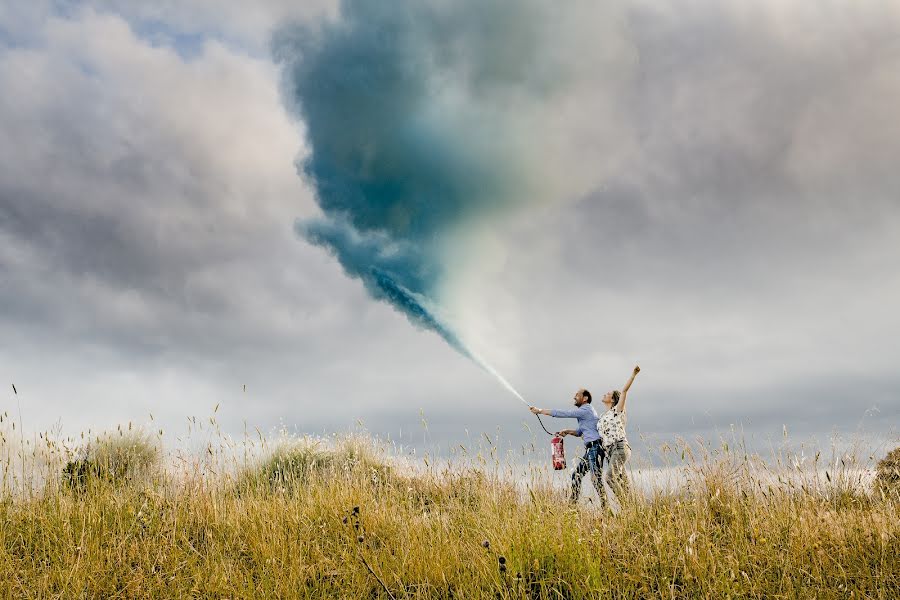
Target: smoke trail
423, 118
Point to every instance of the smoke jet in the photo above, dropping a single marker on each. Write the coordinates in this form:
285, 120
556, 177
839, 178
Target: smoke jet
418, 308
420, 118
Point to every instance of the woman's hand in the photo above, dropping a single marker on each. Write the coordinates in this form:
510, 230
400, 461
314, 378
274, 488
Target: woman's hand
621, 405
535, 410
562, 433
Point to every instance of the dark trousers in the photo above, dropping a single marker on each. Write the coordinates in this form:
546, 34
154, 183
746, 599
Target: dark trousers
591, 461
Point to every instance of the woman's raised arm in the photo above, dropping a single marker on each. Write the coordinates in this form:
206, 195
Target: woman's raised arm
621, 404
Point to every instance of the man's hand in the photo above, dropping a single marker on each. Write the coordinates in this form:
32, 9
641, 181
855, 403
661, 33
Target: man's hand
535, 410
562, 433
637, 369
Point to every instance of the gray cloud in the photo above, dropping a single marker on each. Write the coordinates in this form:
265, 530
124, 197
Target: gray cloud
738, 237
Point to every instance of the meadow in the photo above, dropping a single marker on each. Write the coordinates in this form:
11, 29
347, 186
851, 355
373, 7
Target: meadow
118, 516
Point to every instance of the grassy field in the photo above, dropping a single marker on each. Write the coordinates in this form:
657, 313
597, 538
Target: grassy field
338, 519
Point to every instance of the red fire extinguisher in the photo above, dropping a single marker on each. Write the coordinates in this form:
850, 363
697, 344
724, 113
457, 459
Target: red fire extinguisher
559, 453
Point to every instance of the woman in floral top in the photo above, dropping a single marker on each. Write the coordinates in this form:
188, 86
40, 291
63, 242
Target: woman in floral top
612, 431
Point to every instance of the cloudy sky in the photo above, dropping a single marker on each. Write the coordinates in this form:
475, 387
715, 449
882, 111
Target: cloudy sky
720, 203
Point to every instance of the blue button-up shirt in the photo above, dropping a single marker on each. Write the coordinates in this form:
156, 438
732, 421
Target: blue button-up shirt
587, 421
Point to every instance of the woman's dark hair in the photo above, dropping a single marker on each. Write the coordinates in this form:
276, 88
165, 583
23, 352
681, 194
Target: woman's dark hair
586, 395
615, 397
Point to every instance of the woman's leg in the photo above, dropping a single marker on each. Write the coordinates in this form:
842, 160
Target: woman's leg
618, 477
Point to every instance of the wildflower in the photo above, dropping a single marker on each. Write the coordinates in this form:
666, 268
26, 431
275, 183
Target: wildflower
360, 539
485, 544
501, 560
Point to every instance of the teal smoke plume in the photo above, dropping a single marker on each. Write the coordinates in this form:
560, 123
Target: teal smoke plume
410, 114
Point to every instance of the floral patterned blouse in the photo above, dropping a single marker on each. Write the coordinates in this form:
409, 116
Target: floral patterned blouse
612, 427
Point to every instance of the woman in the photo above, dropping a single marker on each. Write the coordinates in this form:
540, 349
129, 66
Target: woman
612, 431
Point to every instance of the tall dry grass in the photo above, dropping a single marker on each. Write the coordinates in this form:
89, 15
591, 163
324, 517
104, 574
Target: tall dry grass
338, 518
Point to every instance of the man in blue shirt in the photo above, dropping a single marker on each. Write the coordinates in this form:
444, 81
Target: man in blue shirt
593, 448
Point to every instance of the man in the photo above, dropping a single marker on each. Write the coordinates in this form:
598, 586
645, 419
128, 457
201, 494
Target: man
593, 449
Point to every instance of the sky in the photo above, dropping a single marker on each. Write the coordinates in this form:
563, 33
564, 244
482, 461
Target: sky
708, 189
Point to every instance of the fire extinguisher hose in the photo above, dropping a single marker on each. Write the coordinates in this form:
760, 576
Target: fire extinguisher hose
542, 424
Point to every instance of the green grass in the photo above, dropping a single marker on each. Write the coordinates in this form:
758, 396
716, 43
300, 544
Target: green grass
340, 519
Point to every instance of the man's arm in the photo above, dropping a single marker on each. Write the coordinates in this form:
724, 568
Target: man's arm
556, 413
621, 405
559, 414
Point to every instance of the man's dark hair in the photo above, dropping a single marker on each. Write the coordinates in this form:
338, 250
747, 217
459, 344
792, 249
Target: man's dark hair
587, 396
615, 397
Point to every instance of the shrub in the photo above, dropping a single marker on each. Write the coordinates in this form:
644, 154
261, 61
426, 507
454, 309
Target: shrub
887, 475
295, 462
78, 472
124, 456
